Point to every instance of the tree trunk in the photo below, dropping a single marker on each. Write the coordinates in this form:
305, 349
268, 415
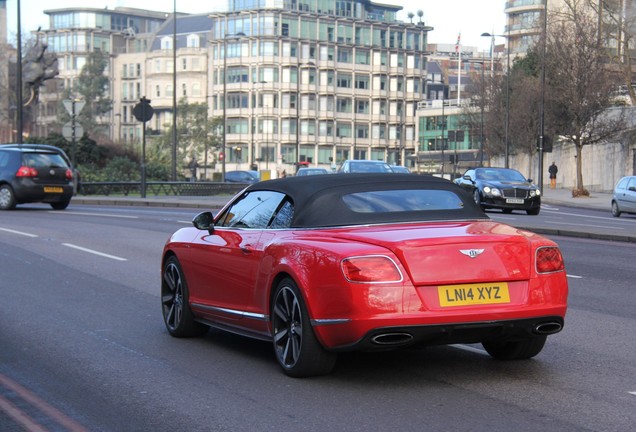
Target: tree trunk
579, 165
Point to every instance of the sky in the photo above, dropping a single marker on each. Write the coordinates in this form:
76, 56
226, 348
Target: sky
471, 18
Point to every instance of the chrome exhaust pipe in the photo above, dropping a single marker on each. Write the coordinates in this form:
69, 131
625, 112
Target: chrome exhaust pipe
548, 328
392, 339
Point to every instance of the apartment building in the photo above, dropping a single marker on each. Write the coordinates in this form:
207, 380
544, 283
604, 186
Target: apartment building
317, 81
73, 33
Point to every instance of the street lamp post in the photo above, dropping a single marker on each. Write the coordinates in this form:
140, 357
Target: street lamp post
507, 127
443, 127
542, 105
174, 91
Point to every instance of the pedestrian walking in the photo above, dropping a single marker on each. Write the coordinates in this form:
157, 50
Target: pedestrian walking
553, 170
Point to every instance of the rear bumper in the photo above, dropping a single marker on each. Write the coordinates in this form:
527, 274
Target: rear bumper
385, 338
27, 191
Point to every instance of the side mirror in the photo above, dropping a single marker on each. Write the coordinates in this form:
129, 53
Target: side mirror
467, 177
529, 180
204, 222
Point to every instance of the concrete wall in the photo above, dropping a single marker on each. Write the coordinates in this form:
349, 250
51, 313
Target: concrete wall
603, 165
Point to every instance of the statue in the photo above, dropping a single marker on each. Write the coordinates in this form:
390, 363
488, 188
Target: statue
37, 67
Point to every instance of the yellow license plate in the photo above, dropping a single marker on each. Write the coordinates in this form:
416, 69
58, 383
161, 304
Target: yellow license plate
53, 189
473, 294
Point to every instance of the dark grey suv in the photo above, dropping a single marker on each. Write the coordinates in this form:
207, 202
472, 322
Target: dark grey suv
34, 173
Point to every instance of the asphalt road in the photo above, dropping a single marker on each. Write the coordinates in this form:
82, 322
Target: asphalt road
84, 348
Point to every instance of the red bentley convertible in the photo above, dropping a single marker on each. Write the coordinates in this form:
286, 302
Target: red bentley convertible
324, 264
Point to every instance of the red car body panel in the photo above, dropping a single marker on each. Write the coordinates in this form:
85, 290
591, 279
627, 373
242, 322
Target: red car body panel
232, 272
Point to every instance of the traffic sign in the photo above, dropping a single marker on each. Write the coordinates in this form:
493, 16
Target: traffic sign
67, 131
69, 103
143, 111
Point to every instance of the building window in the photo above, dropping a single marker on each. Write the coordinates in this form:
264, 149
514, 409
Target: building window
184, 63
344, 55
362, 81
344, 80
194, 41
166, 43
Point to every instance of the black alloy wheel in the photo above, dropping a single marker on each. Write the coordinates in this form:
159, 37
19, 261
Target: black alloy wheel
297, 350
177, 314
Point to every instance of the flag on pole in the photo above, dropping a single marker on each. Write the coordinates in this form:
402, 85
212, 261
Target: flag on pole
457, 45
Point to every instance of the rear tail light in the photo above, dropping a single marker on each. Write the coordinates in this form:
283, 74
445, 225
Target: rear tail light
371, 269
25, 171
549, 259
69, 174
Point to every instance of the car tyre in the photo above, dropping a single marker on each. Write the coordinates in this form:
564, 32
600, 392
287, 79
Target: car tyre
177, 315
515, 350
616, 212
7, 198
533, 211
477, 197
295, 345
60, 205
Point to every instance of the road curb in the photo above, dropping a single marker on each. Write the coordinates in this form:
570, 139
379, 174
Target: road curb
579, 234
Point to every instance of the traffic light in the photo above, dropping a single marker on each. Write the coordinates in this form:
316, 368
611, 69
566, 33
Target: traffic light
547, 144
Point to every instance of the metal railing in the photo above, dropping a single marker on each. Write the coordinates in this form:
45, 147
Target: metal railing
160, 188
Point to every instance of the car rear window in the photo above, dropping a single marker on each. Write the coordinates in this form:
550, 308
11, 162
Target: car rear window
44, 160
389, 201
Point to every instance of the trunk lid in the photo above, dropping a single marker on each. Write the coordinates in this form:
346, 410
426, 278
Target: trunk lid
454, 252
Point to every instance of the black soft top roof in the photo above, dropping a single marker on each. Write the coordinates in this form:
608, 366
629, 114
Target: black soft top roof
318, 199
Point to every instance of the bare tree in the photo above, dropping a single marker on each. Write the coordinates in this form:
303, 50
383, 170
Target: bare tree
579, 82
616, 27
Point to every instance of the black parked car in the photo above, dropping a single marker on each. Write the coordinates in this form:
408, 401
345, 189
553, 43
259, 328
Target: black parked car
502, 188
34, 173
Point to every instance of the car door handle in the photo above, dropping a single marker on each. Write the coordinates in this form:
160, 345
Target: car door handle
247, 249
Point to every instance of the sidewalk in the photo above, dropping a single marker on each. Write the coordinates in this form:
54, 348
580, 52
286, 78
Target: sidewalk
596, 200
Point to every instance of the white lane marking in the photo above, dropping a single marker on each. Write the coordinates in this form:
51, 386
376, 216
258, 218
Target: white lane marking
184, 222
632, 393
469, 348
607, 218
574, 276
18, 232
94, 214
94, 252
587, 225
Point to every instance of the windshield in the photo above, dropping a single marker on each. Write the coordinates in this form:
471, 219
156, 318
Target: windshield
499, 175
